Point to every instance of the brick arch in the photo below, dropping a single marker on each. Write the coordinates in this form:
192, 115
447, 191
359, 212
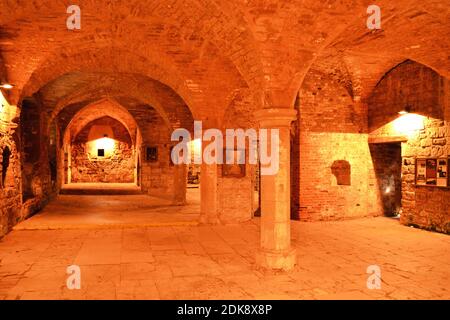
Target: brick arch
106, 60
240, 111
100, 109
393, 65
318, 26
196, 26
417, 87
168, 103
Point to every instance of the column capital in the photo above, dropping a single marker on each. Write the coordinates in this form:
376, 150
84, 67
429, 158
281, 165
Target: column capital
275, 117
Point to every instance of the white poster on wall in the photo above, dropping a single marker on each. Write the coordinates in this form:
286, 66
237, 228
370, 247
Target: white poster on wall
421, 172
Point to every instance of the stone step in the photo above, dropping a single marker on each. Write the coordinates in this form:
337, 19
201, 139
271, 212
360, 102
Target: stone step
100, 192
100, 189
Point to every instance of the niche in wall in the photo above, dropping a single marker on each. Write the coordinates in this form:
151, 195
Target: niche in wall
151, 154
6, 154
341, 169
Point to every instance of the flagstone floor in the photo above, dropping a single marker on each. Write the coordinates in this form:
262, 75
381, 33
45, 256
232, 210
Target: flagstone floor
217, 262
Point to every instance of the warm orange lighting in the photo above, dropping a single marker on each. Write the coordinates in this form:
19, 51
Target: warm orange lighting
3, 105
409, 123
105, 143
195, 146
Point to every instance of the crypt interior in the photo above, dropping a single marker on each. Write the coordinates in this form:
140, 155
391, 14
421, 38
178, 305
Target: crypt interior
87, 178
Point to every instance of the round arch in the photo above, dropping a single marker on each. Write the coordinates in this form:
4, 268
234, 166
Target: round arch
99, 109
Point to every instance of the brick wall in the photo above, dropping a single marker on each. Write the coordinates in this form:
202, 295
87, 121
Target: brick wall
10, 197
236, 196
157, 177
409, 84
331, 129
426, 133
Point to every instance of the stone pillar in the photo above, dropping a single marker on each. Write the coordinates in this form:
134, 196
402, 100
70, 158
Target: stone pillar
208, 194
208, 179
179, 184
69, 163
276, 251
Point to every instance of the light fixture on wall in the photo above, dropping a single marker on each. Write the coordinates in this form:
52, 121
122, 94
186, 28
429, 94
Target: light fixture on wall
408, 123
6, 86
106, 144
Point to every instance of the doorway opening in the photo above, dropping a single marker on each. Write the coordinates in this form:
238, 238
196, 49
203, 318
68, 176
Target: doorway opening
387, 163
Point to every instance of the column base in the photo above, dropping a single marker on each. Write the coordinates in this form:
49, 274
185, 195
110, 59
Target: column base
205, 219
277, 260
179, 202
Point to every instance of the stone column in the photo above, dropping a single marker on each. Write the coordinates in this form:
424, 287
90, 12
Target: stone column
69, 163
276, 251
208, 193
208, 178
179, 185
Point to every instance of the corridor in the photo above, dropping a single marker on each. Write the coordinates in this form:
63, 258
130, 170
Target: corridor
113, 211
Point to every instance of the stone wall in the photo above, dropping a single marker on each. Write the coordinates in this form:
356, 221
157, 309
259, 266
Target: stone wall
36, 184
157, 177
117, 166
425, 133
426, 206
10, 197
332, 130
236, 195
25, 181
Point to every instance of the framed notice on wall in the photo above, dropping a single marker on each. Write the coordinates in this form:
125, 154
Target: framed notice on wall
442, 172
432, 172
421, 172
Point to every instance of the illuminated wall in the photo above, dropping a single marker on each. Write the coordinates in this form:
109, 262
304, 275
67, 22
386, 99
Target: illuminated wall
424, 132
332, 130
103, 152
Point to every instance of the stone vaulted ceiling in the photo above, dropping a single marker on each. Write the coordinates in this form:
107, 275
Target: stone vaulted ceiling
209, 51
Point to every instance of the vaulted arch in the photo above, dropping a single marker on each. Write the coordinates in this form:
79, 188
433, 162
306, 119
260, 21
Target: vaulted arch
97, 110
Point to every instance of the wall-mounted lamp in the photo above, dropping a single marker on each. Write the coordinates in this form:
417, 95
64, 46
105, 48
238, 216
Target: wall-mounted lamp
6, 86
